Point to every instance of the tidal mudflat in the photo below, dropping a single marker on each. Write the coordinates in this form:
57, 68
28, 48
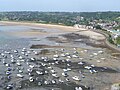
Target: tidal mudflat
43, 58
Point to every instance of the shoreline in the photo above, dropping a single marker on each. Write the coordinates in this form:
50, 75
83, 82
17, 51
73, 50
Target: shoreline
53, 26
97, 35
108, 44
82, 31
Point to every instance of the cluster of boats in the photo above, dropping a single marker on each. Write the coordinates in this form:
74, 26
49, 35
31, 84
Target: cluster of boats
29, 65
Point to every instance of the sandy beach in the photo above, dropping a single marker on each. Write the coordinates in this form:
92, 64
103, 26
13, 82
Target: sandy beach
68, 28
80, 31
95, 35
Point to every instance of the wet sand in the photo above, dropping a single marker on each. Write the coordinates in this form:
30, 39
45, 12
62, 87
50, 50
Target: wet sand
78, 45
68, 28
81, 31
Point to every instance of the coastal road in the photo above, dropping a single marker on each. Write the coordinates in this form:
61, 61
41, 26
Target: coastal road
107, 43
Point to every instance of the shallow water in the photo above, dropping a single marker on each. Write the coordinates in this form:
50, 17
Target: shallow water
19, 28
10, 42
27, 40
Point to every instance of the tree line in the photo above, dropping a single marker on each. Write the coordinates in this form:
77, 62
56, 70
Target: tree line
64, 18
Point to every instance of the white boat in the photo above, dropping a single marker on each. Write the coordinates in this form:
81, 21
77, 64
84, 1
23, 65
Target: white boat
68, 60
31, 79
2, 54
45, 82
46, 72
67, 54
68, 69
68, 65
4, 61
19, 75
42, 58
76, 78
15, 51
36, 53
56, 62
53, 71
92, 65
67, 79
56, 56
12, 61
53, 82
31, 66
74, 48
49, 67
63, 55
61, 81
55, 59
62, 49
78, 88
80, 63
65, 70
28, 52
9, 87
24, 49
95, 54
39, 73
69, 57
102, 58
23, 53
39, 83
18, 63
64, 74
29, 70
100, 52
75, 52
20, 57
43, 64
32, 59
46, 60
6, 52
20, 71
91, 71
74, 56
98, 61
55, 75
87, 67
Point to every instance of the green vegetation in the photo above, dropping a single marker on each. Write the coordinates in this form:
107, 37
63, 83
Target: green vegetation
118, 40
118, 27
63, 18
110, 39
98, 27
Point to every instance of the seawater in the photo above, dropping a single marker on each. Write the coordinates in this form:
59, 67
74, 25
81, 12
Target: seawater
11, 42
